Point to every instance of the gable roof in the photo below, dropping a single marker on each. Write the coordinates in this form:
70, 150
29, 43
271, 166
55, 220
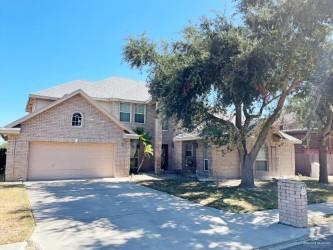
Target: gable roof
63, 99
112, 88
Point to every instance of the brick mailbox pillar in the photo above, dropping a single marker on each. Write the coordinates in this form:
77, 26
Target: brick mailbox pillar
293, 203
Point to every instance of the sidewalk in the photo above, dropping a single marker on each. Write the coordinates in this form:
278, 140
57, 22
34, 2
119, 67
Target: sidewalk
320, 234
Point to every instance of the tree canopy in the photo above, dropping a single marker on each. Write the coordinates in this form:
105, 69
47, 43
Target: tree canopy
226, 79
313, 106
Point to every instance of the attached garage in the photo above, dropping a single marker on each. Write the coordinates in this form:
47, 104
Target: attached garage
58, 160
73, 137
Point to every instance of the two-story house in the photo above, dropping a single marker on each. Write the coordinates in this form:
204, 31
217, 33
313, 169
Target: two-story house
84, 129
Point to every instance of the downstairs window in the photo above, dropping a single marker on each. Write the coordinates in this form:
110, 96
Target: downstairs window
262, 159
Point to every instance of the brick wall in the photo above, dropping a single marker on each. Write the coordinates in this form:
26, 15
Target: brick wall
113, 108
226, 163
293, 202
55, 125
178, 156
167, 139
307, 152
149, 125
157, 146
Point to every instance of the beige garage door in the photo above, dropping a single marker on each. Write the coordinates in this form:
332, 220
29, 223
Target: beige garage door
50, 160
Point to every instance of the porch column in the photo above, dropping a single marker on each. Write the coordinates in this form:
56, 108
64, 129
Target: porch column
178, 155
157, 146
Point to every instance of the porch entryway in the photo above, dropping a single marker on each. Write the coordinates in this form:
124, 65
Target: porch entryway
165, 157
189, 156
2, 163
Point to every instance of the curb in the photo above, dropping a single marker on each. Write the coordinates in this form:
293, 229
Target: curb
285, 244
323, 231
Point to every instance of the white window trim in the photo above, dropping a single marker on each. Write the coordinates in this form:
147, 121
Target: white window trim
130, 121
144, 113
82, 120
204, 159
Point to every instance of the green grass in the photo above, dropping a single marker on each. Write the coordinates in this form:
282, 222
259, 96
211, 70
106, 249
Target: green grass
234, 199
16, 221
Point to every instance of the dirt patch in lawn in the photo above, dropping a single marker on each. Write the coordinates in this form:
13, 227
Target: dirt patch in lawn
16, 221
232, 198
318, 220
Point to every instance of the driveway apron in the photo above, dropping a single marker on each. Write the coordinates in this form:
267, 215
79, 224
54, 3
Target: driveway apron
99, 214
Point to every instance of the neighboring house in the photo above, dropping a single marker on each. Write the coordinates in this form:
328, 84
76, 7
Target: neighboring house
84, 129
307, 153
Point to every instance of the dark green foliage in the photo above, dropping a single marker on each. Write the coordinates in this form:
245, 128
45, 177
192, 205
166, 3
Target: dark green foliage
145, 141
314, 106
144, 136
225, 79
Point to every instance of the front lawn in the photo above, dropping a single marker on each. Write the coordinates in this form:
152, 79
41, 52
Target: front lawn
16, 221
229, 197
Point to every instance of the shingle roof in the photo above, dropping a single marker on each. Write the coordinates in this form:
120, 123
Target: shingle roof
109, 88
63, 99
196, 136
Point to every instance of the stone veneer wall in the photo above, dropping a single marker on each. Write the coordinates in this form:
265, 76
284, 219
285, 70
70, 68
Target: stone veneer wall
292, 203
55, 125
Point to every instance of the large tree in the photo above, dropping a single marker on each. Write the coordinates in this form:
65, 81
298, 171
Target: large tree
323, 115
313, 107
226, 79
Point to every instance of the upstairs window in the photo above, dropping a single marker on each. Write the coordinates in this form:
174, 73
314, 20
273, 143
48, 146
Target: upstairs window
125, 112
139, 113
262, 159
205, 158
77, 120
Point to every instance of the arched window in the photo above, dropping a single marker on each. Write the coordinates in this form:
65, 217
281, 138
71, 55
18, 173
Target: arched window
262, 159
77, 120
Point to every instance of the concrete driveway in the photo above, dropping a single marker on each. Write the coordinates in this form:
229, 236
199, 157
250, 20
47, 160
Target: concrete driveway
99, 214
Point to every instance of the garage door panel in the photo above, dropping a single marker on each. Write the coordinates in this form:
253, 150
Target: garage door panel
60, 175
50, 160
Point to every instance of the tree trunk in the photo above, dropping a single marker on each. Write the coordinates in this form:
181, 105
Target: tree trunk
141, 163
323, 173
247, 172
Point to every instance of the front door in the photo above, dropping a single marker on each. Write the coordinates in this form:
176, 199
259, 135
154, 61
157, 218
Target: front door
190, 161
164, 157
